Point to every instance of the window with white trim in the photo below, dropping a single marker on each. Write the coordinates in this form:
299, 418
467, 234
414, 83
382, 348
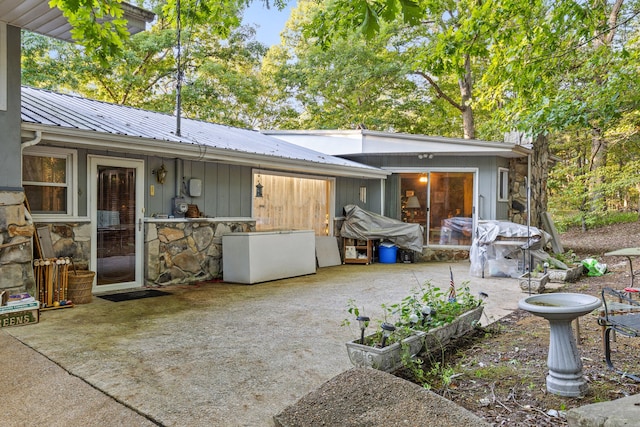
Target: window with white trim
48, 178
503, 184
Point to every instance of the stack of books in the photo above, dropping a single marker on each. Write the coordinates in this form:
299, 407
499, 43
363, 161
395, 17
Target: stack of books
17, 302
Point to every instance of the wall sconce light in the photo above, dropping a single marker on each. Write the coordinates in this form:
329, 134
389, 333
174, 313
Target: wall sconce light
259, 187
425, 156
160, 173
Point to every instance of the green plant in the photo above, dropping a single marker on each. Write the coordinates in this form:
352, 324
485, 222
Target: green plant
425, 308
353, 310
563, 260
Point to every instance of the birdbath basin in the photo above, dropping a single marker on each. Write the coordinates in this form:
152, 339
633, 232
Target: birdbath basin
560, 309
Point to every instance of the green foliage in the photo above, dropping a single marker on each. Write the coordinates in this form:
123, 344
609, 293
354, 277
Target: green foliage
222, 81
566, 69
98, 25
593, 220
409, 315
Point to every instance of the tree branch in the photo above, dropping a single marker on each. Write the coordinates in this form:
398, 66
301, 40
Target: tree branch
439, 91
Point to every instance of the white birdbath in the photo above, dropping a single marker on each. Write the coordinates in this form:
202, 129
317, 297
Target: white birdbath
565, 367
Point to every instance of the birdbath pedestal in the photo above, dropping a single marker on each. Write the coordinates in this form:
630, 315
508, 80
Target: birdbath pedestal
560, 309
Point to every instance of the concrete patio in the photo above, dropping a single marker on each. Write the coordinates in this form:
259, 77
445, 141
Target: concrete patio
209, 354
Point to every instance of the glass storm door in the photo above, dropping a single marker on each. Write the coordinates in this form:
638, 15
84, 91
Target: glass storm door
117, 201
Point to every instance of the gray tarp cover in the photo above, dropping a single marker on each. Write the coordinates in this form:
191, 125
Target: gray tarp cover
365, 225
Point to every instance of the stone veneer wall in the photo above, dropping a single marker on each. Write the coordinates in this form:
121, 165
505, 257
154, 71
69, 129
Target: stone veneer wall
189, 250
518, 191
16, 231
71, 240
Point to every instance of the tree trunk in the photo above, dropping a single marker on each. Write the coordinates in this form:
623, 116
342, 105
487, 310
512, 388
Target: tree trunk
599, 148
539, 176
465, 84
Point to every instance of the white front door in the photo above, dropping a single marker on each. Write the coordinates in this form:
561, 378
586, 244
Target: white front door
116, 197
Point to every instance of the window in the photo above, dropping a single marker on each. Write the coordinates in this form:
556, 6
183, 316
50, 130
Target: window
503, 184
48, 178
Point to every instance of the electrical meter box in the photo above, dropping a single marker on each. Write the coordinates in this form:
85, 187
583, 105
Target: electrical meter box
180, 207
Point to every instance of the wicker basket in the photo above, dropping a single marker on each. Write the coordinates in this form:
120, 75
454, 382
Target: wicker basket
80, 286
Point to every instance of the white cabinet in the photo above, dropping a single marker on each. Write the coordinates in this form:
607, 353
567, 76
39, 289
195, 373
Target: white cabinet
262, 256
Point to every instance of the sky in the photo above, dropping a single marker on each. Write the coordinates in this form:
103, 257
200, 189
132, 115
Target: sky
269, 22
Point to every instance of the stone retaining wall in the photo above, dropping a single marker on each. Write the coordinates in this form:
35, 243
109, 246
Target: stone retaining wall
187, 251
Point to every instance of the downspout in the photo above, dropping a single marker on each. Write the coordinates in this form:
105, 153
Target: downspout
30, 143
179, 180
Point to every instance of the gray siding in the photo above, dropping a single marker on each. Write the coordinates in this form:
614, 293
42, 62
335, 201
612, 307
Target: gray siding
82, 182
348, 193
226, 189
10, 154
392, 197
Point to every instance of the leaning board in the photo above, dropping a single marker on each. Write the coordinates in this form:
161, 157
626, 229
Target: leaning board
327, 252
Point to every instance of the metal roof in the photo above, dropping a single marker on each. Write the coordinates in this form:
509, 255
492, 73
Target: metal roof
78, 121
37, 16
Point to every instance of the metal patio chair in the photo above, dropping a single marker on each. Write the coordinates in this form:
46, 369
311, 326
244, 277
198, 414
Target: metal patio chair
620, 314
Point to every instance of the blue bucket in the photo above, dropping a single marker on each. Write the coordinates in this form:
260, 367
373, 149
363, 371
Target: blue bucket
387, 254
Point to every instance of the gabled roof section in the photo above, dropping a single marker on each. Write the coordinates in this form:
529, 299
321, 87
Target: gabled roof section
366, 142
82, 122
37, 16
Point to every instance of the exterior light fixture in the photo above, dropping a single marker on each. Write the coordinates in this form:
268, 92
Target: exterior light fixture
160, 173
427, 312
363, 321
425, 156
259, 187
387, 330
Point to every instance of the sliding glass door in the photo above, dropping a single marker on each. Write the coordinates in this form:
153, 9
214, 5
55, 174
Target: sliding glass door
442, 202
